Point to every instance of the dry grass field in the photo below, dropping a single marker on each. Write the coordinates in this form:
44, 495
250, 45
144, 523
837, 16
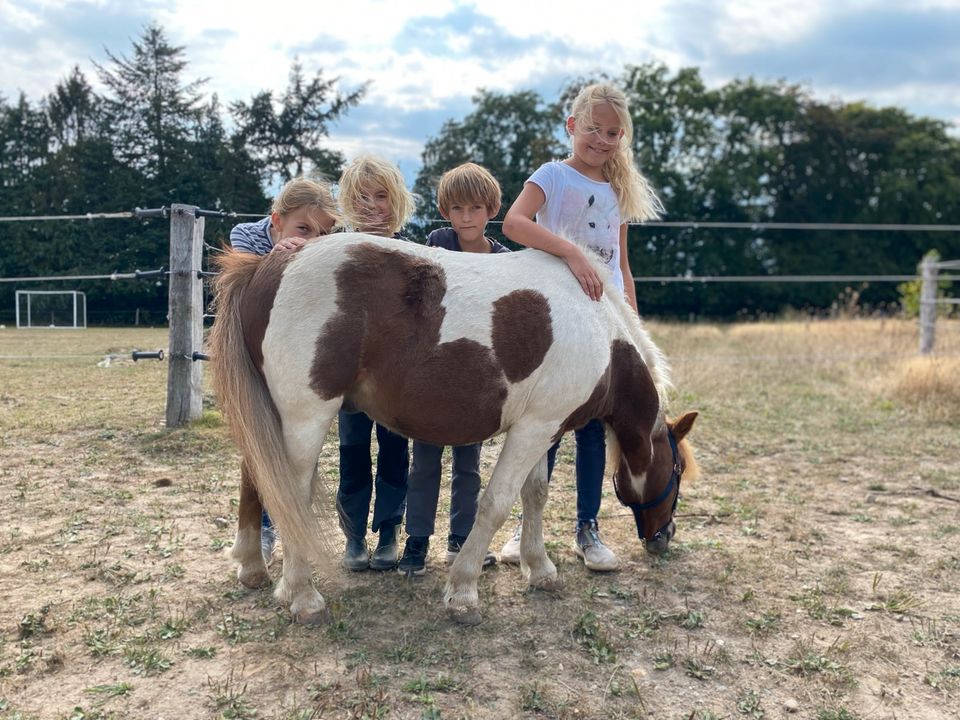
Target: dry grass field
815, 572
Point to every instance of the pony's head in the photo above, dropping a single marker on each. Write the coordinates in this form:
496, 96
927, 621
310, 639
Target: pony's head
653, 496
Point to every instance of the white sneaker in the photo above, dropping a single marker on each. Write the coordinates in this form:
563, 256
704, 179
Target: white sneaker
588, 546
510, 552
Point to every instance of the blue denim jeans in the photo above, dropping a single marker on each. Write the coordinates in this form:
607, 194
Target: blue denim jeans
423, 491
590, 464
357, 482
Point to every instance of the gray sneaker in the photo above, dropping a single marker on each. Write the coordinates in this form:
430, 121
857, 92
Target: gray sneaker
589, 547
510, 552
356, 557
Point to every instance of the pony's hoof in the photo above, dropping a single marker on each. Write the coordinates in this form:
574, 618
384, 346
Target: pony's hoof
322, 616
548, 584
254, 580
465, 615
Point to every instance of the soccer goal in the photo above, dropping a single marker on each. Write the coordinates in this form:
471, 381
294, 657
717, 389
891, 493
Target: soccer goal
58, 309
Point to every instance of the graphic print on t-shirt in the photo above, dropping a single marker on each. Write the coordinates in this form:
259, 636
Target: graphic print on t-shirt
594, 223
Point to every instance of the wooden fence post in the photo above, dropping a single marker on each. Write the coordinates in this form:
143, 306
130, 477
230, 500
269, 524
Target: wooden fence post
184, 376
928, 302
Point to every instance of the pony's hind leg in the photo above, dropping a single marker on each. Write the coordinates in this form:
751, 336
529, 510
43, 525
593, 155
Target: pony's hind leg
536, 566
304, 441
251, 566
521, 449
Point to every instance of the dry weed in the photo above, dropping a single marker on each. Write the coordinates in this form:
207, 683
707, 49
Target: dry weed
931, 385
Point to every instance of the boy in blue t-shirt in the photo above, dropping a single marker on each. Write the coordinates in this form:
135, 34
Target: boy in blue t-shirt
468, 196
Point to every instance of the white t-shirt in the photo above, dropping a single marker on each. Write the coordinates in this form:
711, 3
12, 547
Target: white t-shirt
583, 210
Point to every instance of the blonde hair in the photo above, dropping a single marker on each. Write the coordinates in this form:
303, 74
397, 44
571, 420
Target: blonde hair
468, 183
367, 173
635, 197
305, 192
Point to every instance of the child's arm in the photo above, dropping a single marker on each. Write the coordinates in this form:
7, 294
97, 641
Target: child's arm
629, 288
519, 226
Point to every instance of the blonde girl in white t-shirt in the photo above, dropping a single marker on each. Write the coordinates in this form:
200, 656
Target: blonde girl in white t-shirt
588, 199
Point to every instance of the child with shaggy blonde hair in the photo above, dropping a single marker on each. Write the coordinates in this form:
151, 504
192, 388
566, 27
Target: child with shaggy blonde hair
374, 199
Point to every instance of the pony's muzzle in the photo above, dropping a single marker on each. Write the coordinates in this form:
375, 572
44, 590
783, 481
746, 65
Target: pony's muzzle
658, 544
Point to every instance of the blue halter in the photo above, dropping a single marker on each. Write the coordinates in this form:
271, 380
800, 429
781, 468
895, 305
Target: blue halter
638, 508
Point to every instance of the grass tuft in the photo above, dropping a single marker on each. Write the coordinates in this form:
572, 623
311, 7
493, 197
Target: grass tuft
930, 385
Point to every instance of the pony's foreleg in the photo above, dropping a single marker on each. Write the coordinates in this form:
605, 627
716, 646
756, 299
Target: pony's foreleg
251, 570
521, 449
536, 566
304, 441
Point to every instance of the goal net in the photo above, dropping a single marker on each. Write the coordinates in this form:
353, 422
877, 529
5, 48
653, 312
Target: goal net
51, 309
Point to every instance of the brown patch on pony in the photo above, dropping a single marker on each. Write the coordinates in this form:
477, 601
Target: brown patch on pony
257, 302
382, 351
596, 406
521, 332
628, 415
635, 415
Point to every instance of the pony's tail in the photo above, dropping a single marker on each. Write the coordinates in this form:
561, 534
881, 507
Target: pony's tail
245, 401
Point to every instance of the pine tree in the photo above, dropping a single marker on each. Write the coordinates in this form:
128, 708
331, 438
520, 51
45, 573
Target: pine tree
152, 110
288, 143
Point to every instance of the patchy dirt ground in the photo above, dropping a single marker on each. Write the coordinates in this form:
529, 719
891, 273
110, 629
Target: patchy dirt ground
814, 575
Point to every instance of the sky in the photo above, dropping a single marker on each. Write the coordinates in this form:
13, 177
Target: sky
425, 59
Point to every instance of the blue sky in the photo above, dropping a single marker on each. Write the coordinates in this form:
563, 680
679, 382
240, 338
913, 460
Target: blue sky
426, 59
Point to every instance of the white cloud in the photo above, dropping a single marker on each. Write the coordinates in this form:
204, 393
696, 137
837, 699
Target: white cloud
20, 19
750, 25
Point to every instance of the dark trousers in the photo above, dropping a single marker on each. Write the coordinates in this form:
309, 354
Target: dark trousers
423, 491
590, 464
357, 482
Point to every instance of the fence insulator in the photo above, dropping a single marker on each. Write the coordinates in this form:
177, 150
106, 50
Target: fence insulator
199, 356
214, 213
140, 274
144, 213
147, 355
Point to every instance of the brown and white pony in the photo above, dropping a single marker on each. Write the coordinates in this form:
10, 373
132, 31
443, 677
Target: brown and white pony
448, 348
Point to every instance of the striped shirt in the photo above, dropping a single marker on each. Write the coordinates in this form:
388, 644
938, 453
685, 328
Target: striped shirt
252, 237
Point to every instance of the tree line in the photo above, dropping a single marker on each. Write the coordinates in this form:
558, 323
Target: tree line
743, 152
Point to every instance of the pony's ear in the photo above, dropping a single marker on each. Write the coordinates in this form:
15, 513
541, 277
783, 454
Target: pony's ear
683, 425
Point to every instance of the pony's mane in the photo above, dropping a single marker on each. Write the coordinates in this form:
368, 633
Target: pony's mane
691, 468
